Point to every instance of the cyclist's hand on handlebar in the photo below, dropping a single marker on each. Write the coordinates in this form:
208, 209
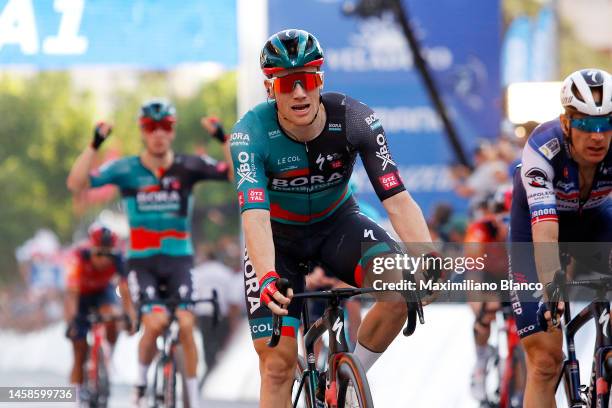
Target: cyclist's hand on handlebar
545, 315
71, 329
131, 320
271, 296
101, 132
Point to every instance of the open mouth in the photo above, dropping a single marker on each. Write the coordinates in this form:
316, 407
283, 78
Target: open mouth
301, 108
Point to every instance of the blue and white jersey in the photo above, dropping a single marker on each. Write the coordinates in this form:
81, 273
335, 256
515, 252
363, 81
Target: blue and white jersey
551, 179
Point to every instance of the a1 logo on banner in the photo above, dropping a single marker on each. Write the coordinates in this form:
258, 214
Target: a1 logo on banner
18, 27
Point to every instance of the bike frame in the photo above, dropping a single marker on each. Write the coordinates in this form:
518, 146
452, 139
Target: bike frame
331, 322
98, 336
598, 389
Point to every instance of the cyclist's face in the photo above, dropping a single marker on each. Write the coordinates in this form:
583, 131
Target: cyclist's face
157, 141
100, 258
589, 146
300, 105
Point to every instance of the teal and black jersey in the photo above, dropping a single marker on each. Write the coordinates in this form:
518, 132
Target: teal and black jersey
159, 209
302, 183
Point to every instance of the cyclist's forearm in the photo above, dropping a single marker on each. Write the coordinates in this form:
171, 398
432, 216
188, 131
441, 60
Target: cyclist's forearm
259, 242
408, 222
546, 249
78, 178
126, 300
70, 305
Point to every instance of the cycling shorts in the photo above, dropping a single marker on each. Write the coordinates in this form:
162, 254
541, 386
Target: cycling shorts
148, 275
335, 243
592, 225
106, 296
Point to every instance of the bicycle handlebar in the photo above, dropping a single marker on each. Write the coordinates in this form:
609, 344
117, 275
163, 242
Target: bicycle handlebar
413, 303
557, 289
283, 286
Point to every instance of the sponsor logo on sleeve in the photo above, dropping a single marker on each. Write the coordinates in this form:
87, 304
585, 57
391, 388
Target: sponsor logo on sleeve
543, 214
239, 139
256, 195
537, 177
389, 181
550, 148
241, 199
245, 170
383, 152
373, 121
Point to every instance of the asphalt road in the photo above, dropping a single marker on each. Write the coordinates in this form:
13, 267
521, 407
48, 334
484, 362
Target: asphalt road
121, 395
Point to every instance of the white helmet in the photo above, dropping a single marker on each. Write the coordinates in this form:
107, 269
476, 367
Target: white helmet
581, 98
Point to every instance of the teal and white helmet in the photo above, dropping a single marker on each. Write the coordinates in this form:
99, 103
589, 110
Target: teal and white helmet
290, 49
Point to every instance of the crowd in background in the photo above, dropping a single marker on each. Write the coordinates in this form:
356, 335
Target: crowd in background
36, 300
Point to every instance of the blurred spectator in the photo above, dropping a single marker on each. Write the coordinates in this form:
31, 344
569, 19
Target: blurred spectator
441, 214
208, 275
489, 172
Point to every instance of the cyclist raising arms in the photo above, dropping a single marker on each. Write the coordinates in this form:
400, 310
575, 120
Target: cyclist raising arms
156, 188
293, 157
561, 194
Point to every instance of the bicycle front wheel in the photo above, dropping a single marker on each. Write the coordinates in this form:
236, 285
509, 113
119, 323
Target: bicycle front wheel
103, 384
352, 383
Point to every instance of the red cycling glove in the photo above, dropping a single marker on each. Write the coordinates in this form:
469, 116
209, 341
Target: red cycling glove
267, 287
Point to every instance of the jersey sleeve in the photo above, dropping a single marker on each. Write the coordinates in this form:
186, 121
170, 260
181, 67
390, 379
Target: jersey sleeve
537, 176
205, 167
108, 173
249, 152
120, 266
367, 136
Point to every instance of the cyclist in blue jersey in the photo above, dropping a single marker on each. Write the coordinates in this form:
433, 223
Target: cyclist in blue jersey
293, 157
561, 194
156, 189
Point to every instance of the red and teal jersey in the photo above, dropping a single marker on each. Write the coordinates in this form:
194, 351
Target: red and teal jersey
159, 209
302, 183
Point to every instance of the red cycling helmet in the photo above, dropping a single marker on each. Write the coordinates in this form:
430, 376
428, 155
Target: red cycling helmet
101, 236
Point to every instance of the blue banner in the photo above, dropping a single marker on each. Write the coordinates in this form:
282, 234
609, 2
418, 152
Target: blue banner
371, 61
153, 34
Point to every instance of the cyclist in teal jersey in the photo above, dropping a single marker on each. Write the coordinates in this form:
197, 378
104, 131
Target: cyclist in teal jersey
293, 157
156, 189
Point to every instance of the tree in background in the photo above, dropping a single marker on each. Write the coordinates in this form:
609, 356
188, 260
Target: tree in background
42, 129
46, 122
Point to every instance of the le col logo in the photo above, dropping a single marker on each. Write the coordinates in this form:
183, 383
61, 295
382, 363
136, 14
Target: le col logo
383, 152
288, 159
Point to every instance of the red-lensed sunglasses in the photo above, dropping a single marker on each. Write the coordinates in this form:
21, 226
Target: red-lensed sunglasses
308, 81
150, 125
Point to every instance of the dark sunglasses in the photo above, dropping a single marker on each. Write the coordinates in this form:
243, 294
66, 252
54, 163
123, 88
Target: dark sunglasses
102, 252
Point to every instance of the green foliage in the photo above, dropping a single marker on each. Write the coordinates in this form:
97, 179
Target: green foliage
45, 125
